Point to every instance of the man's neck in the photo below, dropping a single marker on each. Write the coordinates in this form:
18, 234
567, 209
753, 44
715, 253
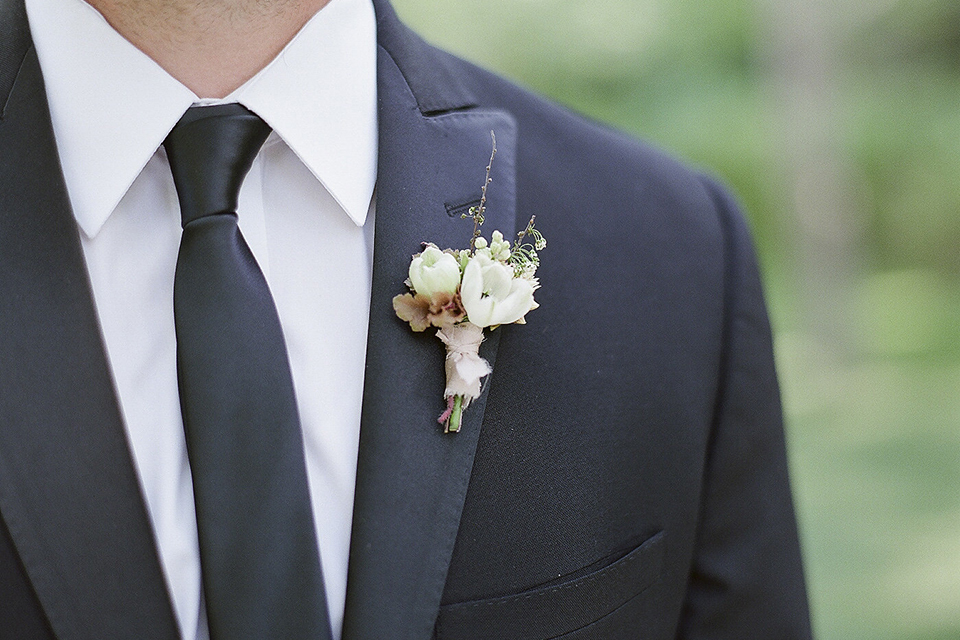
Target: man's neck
211, 46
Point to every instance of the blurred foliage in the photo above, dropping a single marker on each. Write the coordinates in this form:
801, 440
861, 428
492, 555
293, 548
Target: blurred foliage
872, 415
917, 31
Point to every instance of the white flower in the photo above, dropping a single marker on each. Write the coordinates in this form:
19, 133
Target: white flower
491, 295
434, 271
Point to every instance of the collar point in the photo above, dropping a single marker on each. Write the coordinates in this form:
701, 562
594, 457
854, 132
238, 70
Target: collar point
90, 222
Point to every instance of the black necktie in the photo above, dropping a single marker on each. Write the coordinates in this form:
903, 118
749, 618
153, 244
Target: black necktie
258, 550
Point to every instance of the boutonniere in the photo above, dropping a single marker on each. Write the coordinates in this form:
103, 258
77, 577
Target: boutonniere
462, 292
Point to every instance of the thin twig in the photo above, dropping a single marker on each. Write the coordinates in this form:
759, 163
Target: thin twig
478, 213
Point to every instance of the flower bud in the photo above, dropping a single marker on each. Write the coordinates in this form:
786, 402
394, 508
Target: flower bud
499, 248
434, 271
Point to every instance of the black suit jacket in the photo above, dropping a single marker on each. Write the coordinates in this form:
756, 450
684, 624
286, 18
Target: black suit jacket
622, 476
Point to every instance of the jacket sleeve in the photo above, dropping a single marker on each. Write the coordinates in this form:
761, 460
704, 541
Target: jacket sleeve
746, 578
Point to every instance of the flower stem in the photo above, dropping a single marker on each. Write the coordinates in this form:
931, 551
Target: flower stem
453, 425
478, 213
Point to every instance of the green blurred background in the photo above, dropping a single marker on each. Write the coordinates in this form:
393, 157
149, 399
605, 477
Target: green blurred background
837, 124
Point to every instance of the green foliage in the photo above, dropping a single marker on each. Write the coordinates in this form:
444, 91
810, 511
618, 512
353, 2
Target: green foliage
903, 136
927, 31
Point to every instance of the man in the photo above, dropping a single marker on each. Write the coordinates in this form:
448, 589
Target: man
623, 473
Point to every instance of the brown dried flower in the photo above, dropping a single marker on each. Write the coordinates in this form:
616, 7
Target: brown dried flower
442, 309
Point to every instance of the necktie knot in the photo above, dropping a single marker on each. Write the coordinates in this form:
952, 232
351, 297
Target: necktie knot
210, 151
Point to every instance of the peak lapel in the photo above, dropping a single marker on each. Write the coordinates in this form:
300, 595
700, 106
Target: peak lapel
412, 478
68, 491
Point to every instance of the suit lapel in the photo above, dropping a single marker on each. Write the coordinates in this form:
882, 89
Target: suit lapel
412, 478
68, 490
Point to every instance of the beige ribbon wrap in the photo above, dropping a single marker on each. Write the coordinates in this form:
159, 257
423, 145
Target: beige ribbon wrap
463, 365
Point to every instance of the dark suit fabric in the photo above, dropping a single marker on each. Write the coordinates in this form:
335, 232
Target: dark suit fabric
622, 475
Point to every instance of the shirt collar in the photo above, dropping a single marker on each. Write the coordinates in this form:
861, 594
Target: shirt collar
112, 106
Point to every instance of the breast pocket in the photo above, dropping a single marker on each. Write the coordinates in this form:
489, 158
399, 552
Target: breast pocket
556, 609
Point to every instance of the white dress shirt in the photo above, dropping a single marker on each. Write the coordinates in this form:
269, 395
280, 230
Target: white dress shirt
305, 210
